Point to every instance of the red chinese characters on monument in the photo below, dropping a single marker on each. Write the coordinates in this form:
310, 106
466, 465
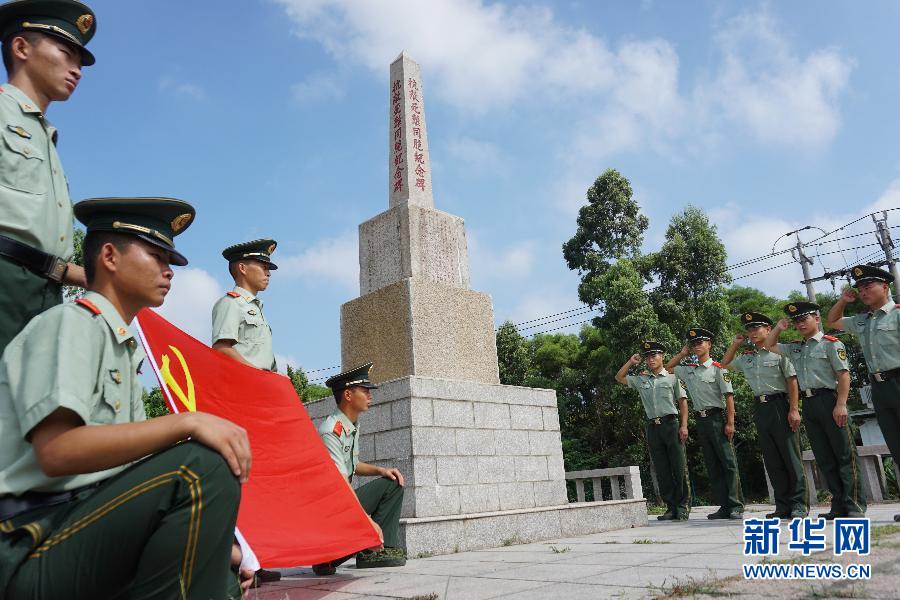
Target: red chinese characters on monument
418, 154
397, 128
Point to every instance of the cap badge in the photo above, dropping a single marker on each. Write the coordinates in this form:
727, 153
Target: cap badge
792, 308
646, 345
748, 317
84, 23
857, 271
692, 333
180, 221
271, 249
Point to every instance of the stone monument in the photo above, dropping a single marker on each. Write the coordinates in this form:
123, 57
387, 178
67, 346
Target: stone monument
483, 461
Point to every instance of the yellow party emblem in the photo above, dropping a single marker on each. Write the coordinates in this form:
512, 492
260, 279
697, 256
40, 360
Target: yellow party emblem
179, 222
189, 400
84, 23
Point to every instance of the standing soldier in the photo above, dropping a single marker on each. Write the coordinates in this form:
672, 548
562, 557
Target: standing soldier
879, 336
239, 329
666, 427
776, 414
95, 500
709, 387
821, 365
43, 52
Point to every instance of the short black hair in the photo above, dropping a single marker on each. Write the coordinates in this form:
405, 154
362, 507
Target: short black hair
94, 241
32, 37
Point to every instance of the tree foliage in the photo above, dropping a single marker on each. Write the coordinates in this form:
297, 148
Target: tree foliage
306, 391
70, 291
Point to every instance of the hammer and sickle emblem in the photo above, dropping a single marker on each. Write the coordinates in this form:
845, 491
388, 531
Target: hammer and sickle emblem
190, 400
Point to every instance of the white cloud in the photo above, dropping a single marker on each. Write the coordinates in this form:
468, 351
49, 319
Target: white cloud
189, 303
317, 87
182, 89
478, 156
487, 265
334, 259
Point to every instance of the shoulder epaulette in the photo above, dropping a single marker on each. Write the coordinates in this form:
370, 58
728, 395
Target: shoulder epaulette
897, 306
830, 338
717, 364
88, 305
233, 294
338, 428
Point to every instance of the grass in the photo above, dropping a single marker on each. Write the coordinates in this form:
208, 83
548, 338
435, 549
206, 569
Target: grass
649, 541
882, 531
710, 586
512, 541
655, 509
431, 596
424, 555
559, 550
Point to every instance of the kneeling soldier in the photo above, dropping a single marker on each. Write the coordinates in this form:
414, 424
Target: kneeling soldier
95, 501
878, 330
776, 414
666, 427
821, 365
382, 499
709, 387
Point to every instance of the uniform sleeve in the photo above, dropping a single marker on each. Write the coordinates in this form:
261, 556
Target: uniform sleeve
787, 367
335, 450
633, 381
837, 356
785, 349
723, 377
226, 320
53, 364
849, 324
736, 364
679, 391
680, 371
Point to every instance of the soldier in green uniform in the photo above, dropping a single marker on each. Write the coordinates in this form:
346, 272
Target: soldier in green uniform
879, 336
776, 413
382, 498
239, 328
709, 388
823, 375
665, 405
96, 501
43, 52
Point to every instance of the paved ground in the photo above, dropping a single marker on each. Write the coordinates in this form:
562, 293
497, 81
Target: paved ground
663, 559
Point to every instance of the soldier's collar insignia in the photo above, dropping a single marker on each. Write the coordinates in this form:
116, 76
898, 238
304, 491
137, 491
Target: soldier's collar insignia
19, 131
338, 428
251, 311
121, 331
180, 221
84, 23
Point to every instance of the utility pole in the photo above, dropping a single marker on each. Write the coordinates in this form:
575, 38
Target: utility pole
887, 244
804, 261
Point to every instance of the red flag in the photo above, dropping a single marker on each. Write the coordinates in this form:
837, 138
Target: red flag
296, 508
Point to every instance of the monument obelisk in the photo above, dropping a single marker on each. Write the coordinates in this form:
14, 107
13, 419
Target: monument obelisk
483, 462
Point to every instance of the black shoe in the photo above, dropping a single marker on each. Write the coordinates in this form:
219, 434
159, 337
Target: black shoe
831, 515
719, 514
324, 569
669, 516
682, 517
897, 518
736, 515
798, 514
266, 576
778, 515
389, 557
855, 515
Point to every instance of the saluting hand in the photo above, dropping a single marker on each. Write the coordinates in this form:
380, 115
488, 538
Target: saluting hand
685, 350
783, 324
848, 295
739, 339
224, 437
839, 414
635, 359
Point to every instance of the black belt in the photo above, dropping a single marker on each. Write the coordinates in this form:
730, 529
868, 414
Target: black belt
708, 412
884, 375
766, 397
661, 420
814, 392
45, 265
10, 505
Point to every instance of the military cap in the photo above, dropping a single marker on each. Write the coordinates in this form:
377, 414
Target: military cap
260, 250
68, 20
651, 347
755, 318
698, 333
154, 220
799, 309
863, 273
356, 377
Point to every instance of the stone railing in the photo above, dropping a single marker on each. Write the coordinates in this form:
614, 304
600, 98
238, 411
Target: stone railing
620, 478
871, 469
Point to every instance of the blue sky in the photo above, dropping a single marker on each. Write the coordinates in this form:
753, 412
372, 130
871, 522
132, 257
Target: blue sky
270, 116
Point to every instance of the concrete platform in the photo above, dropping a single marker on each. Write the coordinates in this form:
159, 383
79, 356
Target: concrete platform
626, 563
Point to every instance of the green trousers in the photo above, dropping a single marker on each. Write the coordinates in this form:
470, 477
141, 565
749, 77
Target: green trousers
382, 500
781, 454
721, 464
25, 295
670, 462
835, 453
162, 529
886, 401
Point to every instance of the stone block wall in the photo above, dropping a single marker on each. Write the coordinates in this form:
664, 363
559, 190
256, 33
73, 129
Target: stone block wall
463, 447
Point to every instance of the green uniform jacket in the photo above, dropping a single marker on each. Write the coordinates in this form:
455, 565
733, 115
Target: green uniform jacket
67, 357
341, 438
35, 208
706, 383
659, 393
817, 360
766, 372
879, 336
238, 316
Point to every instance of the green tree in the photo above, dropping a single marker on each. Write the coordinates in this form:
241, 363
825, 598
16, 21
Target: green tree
512, 355
154, 404
306, 391
610, 226
70, 291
